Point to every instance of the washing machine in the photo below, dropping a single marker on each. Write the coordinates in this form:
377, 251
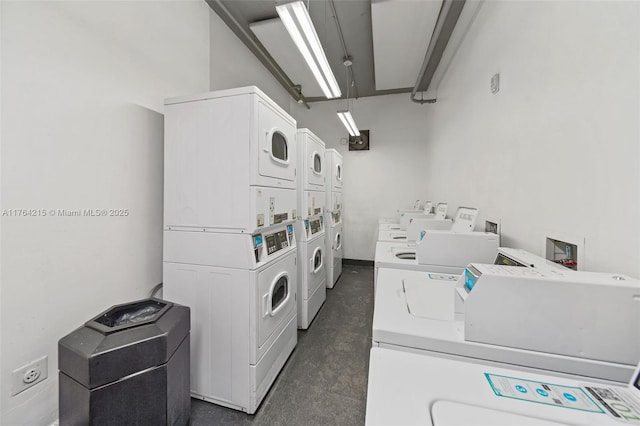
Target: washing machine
438, 251
413, 389
310, 227
230, 162
404, 218
520, 316
334, 251
418, 207
388, 226
392, 236
242, 293
416, 225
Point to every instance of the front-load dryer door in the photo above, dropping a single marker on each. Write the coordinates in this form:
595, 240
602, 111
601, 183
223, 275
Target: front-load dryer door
315, 165
277, 298
277, 148
337, 171
317, 265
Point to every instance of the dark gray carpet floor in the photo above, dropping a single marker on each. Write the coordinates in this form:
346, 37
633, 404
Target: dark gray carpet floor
324, 382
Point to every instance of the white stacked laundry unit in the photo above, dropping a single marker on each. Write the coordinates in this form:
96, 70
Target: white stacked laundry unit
310, 229
229, 239
333, 215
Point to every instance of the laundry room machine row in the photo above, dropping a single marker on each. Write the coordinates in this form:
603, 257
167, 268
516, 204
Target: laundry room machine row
310, 227
333, 215
537, 316
229, 239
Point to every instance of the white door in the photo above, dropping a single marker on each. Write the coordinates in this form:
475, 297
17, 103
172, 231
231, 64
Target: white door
276, 295
337, 172
315, 170
276, 138
336, 200
317, 267
337, 252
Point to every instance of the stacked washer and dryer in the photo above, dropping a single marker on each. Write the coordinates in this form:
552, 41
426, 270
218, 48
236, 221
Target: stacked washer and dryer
309, 227
333, 215
229, 239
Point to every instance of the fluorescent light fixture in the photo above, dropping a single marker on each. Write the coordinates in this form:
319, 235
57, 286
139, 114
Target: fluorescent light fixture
347, 120
296, 20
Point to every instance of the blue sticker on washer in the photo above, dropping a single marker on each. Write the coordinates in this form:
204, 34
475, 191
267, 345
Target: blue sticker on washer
542, 393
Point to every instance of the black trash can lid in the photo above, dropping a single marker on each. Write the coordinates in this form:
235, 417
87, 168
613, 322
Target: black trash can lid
135, 314
123, 340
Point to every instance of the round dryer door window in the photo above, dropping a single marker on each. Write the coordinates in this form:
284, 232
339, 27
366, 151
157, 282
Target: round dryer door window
279, 293
317, 163
279, 146
317, 260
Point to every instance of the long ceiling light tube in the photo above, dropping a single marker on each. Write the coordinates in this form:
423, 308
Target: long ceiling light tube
349, 123
296, 19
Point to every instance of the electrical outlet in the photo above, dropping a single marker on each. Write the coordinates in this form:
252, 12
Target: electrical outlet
28, 375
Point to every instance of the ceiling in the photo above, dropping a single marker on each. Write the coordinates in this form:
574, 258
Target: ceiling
387, 40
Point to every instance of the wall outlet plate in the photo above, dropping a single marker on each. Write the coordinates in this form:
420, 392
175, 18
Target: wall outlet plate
29, 375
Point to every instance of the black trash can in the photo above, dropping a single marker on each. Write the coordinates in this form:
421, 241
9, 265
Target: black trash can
127, 366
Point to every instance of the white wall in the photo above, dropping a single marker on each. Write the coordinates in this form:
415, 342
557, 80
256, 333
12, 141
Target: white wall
375, 181
233, 65
554, 153
82, 127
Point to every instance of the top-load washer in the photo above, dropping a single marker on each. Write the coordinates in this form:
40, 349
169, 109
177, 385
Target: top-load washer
440, 251
536, 317
417, 225
418, 209
230, 162
310, 227
413, 389
405, 217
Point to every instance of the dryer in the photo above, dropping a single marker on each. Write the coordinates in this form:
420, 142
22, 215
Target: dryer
333, 161
230, 162
414, 389
242, 293
312, 279
333, 216
310, 227
229, 241
334, 251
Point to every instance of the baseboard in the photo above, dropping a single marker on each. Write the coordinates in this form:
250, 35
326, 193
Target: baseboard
357, 262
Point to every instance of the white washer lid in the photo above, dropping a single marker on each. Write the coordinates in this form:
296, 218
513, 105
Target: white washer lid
433, 298
445, 413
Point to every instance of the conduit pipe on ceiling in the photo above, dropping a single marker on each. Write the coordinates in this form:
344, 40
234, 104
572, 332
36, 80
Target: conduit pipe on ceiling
344, 49
447, 19
263, 56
